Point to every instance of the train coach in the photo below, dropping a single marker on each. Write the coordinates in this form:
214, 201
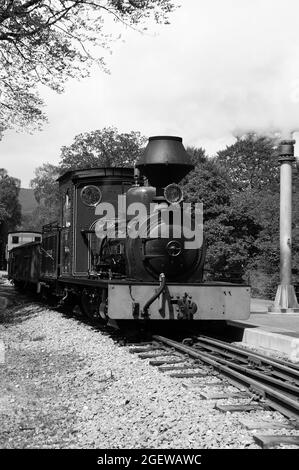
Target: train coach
122, 249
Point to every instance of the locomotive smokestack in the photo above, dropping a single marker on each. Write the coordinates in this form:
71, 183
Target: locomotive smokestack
164, 161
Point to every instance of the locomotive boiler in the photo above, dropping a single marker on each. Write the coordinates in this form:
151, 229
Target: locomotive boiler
127, 248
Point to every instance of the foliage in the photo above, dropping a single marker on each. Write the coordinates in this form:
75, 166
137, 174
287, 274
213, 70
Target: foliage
198, 155
259, 223
44, 183
209, 184
45, 42
252, 166
9, 193
46, 191
230, 230
10, 209
250, 163
105, 147
3, 213
41, 216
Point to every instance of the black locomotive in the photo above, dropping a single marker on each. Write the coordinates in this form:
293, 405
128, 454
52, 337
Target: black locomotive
121, 266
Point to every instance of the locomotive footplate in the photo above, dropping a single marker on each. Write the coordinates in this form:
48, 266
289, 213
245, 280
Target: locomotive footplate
196, 301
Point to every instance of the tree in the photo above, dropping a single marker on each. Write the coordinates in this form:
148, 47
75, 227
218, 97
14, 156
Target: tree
105, 147
209, 184
241, 226
259, 217
198, 155
251, 163
227, 247
3, 213
45, 42
10, 209
44, 183
9, 194
42, 215
46, 191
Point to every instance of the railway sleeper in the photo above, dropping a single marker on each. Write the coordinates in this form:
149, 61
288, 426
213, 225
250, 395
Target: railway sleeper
254, 425
161, 362
162, 354
187, 375
266, 441
223, 395
239, 408
186, 367
136, 350
203, 384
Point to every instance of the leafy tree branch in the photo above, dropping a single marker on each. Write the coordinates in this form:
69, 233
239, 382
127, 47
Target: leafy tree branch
47, 42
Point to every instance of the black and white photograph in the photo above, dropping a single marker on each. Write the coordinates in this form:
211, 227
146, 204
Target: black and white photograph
149, 232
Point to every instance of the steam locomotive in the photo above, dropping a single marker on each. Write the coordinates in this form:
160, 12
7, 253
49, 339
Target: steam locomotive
117, 265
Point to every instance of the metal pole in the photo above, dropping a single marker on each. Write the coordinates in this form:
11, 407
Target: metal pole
285, 220
285, 300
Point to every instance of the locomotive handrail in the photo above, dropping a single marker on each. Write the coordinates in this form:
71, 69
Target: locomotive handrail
46, 253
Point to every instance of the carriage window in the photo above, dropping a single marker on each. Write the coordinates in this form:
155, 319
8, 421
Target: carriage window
15, 240
37, 239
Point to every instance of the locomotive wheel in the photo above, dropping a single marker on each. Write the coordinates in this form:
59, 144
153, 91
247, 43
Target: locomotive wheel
20, 286
78, 311
44, 295
47, 296
89, 306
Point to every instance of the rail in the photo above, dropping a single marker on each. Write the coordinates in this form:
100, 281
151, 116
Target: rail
276, 383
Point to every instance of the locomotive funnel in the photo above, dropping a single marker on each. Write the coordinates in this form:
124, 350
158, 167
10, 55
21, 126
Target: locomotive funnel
164, 161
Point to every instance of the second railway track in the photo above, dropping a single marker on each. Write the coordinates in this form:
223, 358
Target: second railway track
264, 383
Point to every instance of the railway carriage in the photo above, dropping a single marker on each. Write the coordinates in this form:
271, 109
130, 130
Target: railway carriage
121, 266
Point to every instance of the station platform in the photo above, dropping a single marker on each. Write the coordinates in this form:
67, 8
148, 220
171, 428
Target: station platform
270, 331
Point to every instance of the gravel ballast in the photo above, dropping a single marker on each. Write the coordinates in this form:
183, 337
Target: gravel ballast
66, 385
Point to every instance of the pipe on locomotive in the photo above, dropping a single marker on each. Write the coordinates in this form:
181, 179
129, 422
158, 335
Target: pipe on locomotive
157, 294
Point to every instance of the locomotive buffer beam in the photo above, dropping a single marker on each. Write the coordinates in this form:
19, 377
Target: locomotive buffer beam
186, 308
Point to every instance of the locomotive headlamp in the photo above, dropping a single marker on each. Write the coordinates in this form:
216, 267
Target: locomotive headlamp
173, 193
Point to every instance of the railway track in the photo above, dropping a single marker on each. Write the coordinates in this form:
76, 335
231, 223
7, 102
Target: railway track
263, 383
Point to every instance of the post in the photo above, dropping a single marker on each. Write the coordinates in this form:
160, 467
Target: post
285, 299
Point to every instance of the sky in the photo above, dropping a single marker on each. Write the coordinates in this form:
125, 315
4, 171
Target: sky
220, 69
